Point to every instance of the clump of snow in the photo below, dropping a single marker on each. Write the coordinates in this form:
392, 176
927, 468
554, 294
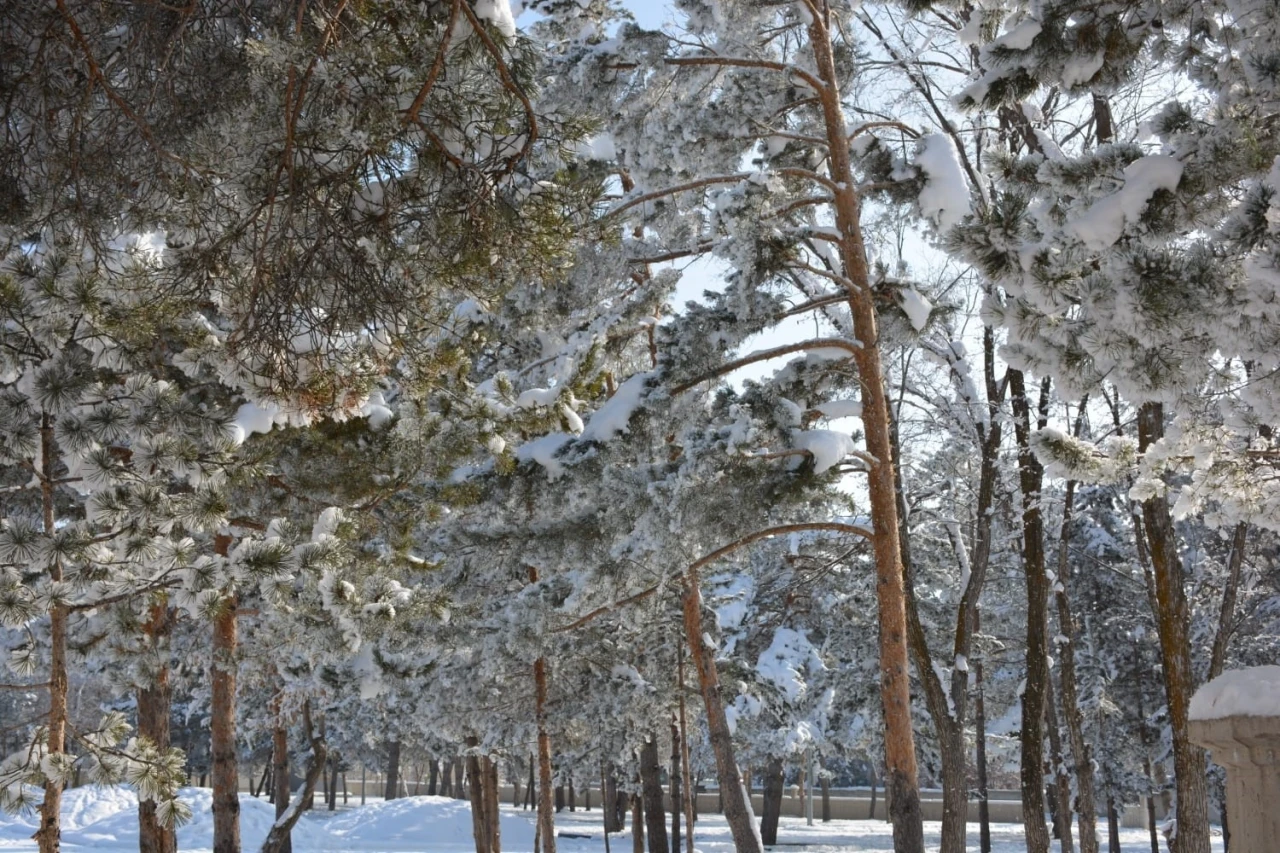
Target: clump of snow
498, 13
613, 417
251, 418
915, 306
840, 409
1252, 692
827, 447
1020, 37
944, 200
543, 451
786, 661
1102, 225
599, 147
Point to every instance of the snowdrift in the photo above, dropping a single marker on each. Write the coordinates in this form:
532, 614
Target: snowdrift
105, 819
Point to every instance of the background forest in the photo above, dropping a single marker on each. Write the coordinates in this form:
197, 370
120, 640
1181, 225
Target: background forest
889, 386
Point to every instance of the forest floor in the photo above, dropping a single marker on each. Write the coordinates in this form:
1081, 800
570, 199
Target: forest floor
103, 819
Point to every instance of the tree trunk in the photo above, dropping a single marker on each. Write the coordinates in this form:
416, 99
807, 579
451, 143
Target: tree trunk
895, 684
459, 792
280, 830
479, 804
615, 802
560, 801
333, 784
1031, 476
826, 798
280, 770
637, 825
651, 786
1113, 826
772, 801
980, 737
226, 781
49, 836
489, 769
154, 705
392, 789
546, 814
433, 778
737, 804
1081, 754
1061, 781
1174, 622
1227, 610
872, 814
677, 802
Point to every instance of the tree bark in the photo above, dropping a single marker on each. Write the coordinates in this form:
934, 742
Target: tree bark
1060, 787
651, 785
49, 836
737, 805
222, 678
284, 824
895, 684
1081, 754
433, 778
154, 706
686, 770
333, 784
1173, 621
1030, 477
459, 792
615, 802
489, 769
980, 738
392, 789
1227, 610
280, 769
772, 801
479, 805
677, 801
637, 825
546, 810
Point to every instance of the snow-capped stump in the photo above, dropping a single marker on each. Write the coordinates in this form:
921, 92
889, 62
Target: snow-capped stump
1237, 717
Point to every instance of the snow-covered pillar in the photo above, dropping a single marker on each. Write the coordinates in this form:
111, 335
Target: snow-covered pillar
1237, 717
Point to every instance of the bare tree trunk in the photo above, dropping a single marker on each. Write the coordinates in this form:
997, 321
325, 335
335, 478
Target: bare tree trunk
226, 781
1113, 826
637, 825
433, 778
280, 769
1061, 781
479, 818
49, 836
737, 805
826, 798
284, 824
615, 802
677, 803
489, 769
1226, 613
1081, 754
772, 801
392, 789
980, 737
651, 785
154, 705
546, 810
1031, 476
459, 791
895, 678
691, 789
1173, 620
333, 784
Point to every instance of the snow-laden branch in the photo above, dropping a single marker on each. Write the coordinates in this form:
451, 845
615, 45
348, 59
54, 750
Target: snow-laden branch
849, 346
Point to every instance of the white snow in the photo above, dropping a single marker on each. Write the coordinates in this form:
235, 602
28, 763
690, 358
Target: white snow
945, 198
1252, 692
251, 418
786, 661
1102, 225
1020, 37
612, 418
828, 447
599, 147
840, 409
543, 451
104, 820
498, 13
916, 307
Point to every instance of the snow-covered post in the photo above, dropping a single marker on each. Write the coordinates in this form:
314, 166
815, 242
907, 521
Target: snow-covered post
1237, 717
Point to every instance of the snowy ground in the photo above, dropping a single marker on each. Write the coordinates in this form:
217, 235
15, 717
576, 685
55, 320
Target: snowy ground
104, 820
